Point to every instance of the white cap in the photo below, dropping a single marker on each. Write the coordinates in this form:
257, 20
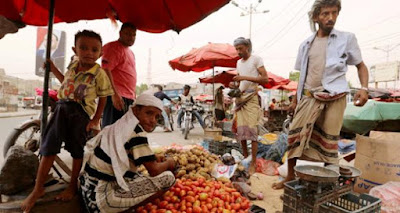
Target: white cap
148, 99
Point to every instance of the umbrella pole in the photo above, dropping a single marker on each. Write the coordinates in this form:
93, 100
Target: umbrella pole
45, 102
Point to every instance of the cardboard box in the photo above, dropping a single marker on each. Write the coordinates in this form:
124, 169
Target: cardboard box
378, 159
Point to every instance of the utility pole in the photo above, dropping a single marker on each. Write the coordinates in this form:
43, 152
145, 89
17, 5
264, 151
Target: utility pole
149, 81
249, 11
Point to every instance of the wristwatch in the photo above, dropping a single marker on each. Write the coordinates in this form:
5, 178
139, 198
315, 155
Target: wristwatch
365, 89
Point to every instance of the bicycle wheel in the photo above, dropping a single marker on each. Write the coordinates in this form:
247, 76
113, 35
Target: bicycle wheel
28, 136
187, 128
208, 121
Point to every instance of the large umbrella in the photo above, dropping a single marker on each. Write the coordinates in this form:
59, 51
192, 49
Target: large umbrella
207, 57
154, 16
225, 77
150, 15
291, 86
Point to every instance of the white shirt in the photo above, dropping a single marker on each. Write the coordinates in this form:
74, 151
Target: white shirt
249, 68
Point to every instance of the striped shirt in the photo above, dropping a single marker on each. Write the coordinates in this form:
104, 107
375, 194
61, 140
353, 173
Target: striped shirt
137, 148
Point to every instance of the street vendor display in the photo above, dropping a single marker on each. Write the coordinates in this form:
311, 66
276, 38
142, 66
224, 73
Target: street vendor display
251, 72
111, 182
322, 89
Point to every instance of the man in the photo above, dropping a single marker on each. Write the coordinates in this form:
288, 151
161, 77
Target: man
110, 181
321, 94
161, 95
184, 98
219, 106
272, 104
119, 63
251, 73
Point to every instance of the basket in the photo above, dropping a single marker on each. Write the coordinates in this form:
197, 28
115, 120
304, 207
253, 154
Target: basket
217, 147
350, 202
212, 133
293, 203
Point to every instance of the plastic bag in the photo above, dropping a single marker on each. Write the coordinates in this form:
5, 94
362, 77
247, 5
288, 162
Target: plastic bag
267, 167
389, 193
223, 171
246, 162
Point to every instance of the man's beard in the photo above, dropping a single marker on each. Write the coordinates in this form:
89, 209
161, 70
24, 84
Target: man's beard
325, 29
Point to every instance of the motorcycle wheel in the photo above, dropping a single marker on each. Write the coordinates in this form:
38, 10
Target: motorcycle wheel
28, 137
285, 126
187, 129
171, 122
208, 121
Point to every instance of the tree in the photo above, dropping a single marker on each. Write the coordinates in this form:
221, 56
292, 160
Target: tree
141, 88
294, 76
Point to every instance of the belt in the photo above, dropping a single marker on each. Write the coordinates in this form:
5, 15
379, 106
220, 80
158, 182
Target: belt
307, 92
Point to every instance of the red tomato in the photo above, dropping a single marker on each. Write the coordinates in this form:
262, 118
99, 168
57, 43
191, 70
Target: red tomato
236, 206
182, 193
196, 209
189, 210
163, 204
204, 209
209, 206
190, 193
190, 199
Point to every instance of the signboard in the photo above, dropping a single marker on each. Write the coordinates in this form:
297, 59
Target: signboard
57, 54
385, 71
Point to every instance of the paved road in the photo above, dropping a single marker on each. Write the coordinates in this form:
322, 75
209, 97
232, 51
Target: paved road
6, 126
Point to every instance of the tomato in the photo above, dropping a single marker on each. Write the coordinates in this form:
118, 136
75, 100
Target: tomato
189, 210
170, 206
209, 206
236, 206
153, 211
191, 193
196, 203
204, 208
190, 199
161, 210
163, 204
196, 209
203, 196
183, 208
236, 194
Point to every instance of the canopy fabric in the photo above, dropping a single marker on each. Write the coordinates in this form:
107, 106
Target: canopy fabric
363, 119
226, 77
206, 57
153, 16
291, 86
203, 97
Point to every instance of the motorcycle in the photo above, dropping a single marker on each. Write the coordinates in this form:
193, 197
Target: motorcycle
187, 109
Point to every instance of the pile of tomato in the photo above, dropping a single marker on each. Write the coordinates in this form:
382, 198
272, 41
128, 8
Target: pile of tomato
200, 195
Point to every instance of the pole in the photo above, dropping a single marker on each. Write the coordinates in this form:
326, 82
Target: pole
45, 102
213, 86
251, 14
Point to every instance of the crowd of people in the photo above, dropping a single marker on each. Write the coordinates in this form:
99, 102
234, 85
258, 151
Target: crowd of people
110, 181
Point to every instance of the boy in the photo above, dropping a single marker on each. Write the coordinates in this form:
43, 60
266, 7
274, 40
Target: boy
76, 113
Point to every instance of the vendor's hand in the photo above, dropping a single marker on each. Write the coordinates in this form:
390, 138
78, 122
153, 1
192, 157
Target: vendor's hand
171, 163
233, 85
93, 125
160, 158
360, 98
118, 102
239, 78
292, 107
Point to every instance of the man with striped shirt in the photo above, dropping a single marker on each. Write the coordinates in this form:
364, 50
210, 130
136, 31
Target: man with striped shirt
110, 182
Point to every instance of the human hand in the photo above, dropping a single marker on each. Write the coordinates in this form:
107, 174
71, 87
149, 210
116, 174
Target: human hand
233, 85
239, 78
171, 163
52, 65
93, 125
117, 101
160, 158
292, 107
360, 98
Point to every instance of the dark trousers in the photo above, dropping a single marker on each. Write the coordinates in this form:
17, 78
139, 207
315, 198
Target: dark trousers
110, 114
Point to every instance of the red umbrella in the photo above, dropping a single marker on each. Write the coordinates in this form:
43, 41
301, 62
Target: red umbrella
154, 16
291, 86
149, 15
224, 77
206, 57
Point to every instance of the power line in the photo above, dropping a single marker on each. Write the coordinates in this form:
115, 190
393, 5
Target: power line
277, 37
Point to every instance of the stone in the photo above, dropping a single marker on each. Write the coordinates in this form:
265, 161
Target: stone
18, 172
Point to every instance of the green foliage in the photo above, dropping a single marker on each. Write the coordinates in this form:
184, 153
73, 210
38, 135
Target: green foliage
294, 76
141, 88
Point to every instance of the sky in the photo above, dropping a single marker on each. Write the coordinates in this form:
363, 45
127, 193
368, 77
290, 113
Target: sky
276, 36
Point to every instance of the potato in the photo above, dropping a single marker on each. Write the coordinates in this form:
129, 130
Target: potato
181, 173
190, 167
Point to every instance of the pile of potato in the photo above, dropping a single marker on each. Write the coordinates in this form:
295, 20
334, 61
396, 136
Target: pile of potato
193, 163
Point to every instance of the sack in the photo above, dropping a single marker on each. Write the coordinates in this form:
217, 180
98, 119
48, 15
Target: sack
267, 167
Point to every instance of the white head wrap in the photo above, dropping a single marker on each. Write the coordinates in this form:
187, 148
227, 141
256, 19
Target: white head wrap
148, 99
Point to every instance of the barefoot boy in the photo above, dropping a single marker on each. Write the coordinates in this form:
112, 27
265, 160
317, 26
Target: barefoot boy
76, 113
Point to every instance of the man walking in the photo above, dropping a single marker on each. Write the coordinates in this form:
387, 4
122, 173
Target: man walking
247, 112
119, 63
321, 95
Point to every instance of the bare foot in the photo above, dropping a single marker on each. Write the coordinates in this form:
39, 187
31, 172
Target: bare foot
30, 201
67, 194
252, 169
280, 185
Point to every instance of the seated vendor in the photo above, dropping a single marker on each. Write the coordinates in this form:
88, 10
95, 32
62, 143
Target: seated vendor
110, 182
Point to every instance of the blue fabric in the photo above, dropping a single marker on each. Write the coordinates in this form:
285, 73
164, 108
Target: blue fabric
342, 50
275, 151
346, 147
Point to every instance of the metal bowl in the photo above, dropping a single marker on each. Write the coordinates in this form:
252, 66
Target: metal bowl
354, 171
316, 173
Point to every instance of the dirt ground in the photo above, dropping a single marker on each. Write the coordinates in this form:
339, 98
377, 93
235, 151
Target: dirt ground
262, 183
